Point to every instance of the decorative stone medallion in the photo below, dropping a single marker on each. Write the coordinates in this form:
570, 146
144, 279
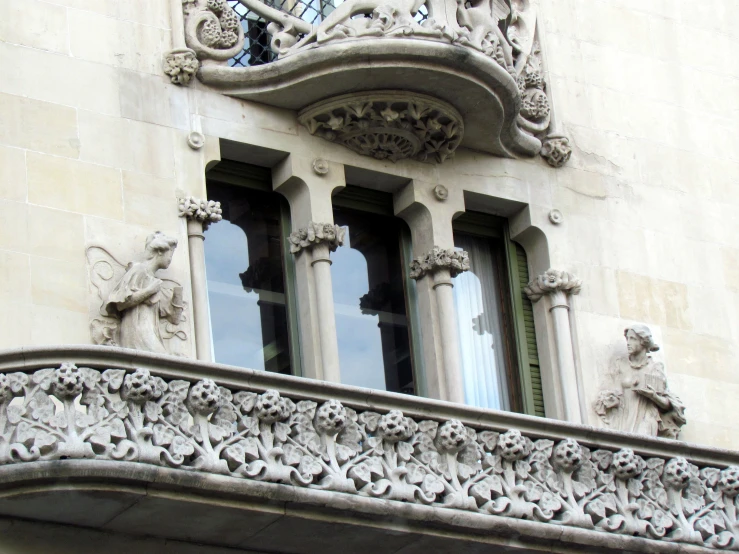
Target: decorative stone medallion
388, 125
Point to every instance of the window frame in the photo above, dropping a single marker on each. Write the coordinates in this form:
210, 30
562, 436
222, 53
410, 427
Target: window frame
518, 370
254, 177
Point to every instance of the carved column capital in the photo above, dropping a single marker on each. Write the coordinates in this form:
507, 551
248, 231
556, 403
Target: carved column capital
556, 150
202, 211
181, 65
315, 234
456, 261
553, 281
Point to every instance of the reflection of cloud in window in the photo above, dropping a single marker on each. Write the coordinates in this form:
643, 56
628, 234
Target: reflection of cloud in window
360, 345
235, 315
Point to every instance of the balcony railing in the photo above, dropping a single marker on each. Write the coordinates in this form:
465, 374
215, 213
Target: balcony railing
114, 424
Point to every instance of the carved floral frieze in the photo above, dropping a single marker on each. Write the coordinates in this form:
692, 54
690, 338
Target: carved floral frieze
203, 211
71, 412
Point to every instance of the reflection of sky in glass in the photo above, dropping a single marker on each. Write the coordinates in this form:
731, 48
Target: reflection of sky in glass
234, 313
360, 345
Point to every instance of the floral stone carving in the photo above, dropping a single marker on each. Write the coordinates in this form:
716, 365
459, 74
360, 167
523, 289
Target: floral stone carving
181, 65
204, 211
317, 233
74, 412
551, 281
456, 261
212, 29
138, 310
556, 150
635, 397
392, 125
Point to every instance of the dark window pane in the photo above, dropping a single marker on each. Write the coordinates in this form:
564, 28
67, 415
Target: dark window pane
246, 288
371, 319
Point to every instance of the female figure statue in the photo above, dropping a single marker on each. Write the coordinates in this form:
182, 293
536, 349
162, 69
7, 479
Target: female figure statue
636, 398
140, 299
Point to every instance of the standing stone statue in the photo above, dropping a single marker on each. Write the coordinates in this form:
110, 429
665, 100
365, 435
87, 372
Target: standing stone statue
139, 309
635, 397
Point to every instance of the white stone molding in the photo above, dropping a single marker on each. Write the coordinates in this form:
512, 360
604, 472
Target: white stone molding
635, 395
135, 308
460, 465
558, 286
501, 87
315, 234
388, 125
199, 215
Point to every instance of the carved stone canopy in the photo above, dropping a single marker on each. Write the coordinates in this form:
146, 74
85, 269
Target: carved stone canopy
480, 63
391, 125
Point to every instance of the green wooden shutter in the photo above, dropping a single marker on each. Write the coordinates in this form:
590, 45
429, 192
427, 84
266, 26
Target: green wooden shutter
530, 332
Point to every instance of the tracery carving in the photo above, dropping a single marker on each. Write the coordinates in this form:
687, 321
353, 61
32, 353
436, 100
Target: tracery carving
456, 261
392, 125
203, 211
137, 309
181, 65
74, 412
317, 233
635, 397
552, 281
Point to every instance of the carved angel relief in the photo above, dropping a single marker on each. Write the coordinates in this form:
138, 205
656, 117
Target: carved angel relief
133, 307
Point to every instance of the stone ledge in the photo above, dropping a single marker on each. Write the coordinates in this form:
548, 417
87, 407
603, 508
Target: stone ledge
197, 432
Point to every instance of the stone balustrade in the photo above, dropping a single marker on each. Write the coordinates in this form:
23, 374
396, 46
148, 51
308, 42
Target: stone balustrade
109, 415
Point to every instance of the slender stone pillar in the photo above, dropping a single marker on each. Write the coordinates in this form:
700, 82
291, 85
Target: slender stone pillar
317, 240
558, 286
441, 266
199, 214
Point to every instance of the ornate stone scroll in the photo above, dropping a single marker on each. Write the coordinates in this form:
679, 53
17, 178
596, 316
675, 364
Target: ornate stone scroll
317, 233
136, 417
635, 397
392, 125
212, 29
138, 309
455, 261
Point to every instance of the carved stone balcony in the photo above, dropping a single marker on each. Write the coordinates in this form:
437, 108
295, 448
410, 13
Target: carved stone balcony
157, 445
392, 79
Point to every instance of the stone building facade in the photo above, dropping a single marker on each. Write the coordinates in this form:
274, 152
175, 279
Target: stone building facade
535, 351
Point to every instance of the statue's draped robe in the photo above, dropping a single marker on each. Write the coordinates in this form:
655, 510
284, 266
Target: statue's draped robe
139, 328
638, 414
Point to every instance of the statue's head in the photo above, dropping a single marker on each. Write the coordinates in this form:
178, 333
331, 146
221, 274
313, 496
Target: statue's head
639, 337
160, 247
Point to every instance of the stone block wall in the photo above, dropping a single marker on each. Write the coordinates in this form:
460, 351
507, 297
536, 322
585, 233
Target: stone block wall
93, 150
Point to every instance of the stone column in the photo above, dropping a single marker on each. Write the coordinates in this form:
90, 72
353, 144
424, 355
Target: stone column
308, 185
442, 265
429, 209
558, 286
319, 239
199, 214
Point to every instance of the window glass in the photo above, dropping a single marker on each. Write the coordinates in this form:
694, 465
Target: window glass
246, 285
478, 299
370, 305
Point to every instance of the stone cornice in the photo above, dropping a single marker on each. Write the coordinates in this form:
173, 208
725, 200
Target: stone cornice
552, 281
580, 484
456, 261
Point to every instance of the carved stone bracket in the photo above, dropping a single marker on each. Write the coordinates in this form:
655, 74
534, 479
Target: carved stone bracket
553, 281
181, 65
135, 417
456, 261
392, 125
317, 233
203, 211
556, 150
